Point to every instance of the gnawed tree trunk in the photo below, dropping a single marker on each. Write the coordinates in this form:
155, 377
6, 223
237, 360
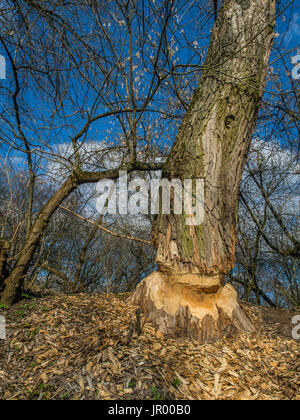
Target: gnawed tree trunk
186, 296
180, 305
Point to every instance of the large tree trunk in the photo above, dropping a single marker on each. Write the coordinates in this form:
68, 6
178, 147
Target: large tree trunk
186, 296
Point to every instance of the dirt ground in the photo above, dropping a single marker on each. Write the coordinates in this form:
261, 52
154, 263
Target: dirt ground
87, 347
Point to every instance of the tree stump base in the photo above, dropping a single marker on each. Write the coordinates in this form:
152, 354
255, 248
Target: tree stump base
190, 306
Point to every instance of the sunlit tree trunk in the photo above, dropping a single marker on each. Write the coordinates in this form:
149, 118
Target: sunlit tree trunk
186, 296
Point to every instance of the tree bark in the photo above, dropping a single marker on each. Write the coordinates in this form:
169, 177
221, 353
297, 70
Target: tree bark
4, 249
186, 296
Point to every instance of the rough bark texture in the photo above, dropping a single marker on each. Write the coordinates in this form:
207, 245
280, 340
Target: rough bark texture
4, 248
212, 144
214, 139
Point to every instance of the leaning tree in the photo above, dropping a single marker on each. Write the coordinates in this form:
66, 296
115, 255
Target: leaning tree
187, 295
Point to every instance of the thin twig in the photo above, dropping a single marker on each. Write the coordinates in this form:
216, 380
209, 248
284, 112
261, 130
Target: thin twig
117, 235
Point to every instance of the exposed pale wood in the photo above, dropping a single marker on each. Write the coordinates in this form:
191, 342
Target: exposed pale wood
187, 309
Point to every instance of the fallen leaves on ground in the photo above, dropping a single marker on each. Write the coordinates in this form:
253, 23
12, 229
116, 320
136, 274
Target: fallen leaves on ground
86, 347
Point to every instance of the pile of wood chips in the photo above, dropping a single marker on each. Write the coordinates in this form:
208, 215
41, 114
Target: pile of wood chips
88, 347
